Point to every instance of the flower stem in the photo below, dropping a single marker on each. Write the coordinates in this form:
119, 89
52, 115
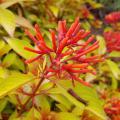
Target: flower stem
32, 95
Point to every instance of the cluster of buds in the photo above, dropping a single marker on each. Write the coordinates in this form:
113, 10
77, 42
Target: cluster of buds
112, 40
68, 53
112, 108
113, 17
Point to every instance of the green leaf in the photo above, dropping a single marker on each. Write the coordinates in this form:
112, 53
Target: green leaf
4, 49
86, 25
4, 72
114, 54
12, 60
43, 102
7, 20
95, 105
18, 46
14, 81
9, 59
8, 3
55, 10
78, 111
102, 46
62, 100
18, 64
14, 116
2, 44
114, 68
114, 84
33, 114
69, 97
3, 103
66, 116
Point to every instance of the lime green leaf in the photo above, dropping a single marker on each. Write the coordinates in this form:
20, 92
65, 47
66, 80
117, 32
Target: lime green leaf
61, 107
114, 68
18, 46
2, 44
33, 114
66, 116
55, 10
86, 25
14, 61
9, 59
69, 97
8, 3
14, 116
61, 99
43, 102
114, 54
78, 111
7, 20
4, 72
114, 84
88, 94
4, 49
19, 64
102, 46
3, 103
14, 81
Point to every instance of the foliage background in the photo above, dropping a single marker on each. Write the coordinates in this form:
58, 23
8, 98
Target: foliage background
18, 15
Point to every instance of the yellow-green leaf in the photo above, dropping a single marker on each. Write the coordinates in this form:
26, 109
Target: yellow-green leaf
114, 54
5, 50
2, 44
3, 72
12, 60
102, 46
7, 20
33, 114
14, 81
114, 68
66, 116
88, 94
18, 46
8, 3
55, 10
9, 59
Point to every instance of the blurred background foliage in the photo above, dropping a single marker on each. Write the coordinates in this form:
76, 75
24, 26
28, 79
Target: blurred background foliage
18, 15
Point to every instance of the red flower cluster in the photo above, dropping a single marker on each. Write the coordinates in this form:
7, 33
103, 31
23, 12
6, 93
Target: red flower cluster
68, 51
113, 17
112, 40
112, 108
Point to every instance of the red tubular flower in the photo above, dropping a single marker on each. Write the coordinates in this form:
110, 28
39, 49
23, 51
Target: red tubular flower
113, 17
69, 54
112, 40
